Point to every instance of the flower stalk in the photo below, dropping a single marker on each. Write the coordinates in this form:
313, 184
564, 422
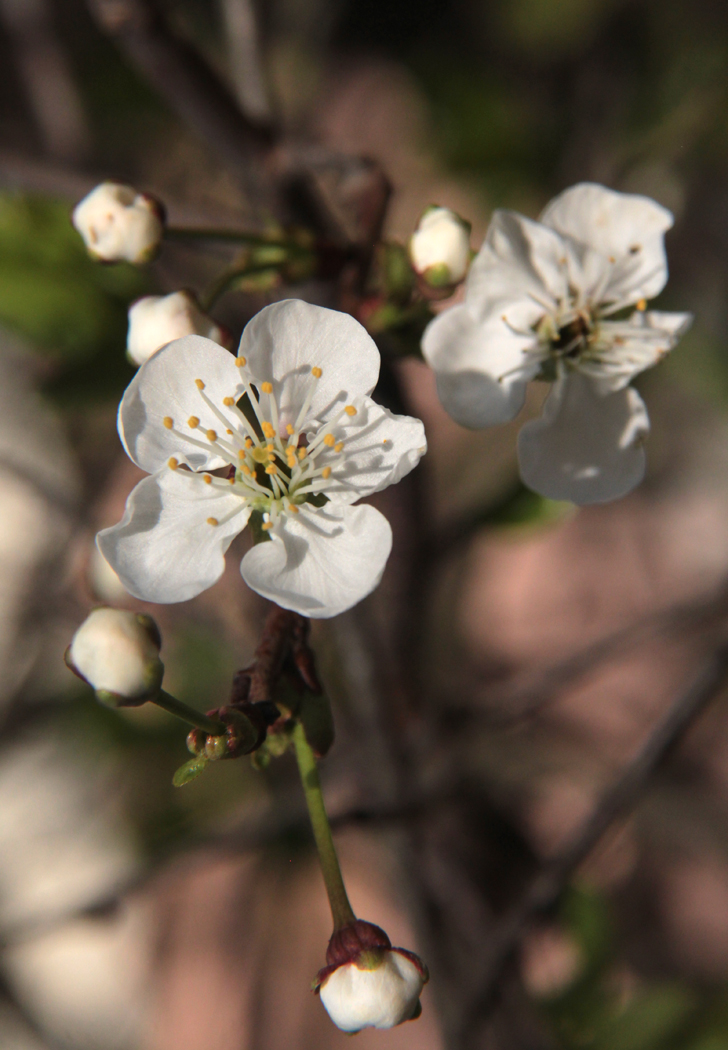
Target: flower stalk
341, 910
187, 714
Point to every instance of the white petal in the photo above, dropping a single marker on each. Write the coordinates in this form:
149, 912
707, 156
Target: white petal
627, 348
163, 549
519, 258
585, 448
285, 340
379, 450
320, 562
481, 367
380, 998
625, 227
165, 386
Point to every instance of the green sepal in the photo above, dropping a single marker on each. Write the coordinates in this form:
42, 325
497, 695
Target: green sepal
189, 771
317, 721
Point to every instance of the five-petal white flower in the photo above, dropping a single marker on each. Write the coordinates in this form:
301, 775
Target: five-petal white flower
288, 432
563, 299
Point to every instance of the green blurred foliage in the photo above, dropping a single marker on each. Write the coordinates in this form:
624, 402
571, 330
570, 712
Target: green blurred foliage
67, 307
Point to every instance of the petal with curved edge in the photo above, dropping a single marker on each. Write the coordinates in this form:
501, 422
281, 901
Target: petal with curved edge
626, 348
379, 450
520, 260
481, 368
625, 228
165, 387
164, 549
285, 340
321, 562
585, 448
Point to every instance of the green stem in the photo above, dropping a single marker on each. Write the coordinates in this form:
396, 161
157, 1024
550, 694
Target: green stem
188, 714
341, 910
225, 281
256, 240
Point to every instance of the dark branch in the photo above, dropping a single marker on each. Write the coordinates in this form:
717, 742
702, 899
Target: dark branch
547, 888
189, 86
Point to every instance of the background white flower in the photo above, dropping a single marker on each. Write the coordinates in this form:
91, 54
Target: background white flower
295, 439
117, 223
156, 320
552, 300
440, 246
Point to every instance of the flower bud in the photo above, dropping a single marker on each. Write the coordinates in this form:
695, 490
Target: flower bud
368, 983
117, 653
440, 247
117, 223
156, 320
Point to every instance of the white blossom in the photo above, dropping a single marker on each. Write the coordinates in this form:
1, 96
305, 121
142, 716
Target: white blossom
117, 223
565, 300
157, 320
440, 247
379, 990
286, 432
117, 651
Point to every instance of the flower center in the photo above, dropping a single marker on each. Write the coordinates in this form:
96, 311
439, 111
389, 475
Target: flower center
272, 465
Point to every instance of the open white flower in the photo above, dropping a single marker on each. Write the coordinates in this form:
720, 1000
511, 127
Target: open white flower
293, 438
117, 223
565, 300
156, 320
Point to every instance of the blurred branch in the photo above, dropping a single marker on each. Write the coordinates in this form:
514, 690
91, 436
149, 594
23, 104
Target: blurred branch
547, 888
244, 46
191, 88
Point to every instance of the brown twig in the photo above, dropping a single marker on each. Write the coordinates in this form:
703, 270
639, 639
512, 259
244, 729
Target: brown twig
547, 888
190, 87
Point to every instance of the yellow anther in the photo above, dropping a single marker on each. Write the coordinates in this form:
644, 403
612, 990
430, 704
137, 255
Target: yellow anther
241, 453
199, 384
229, 431
289, 429
302, 453
266, 526
268, 429
642, 305
271, 469
269, 448
168, 422
326, 472
350, 410
272, 457
207, 479
228, 401
612, 260
330, 440
240, 362
231, 481
172, 463
211, 435
248, 442
212, 521
246, 470
292, 507
339, 447
267, 388
194, 422
316, 372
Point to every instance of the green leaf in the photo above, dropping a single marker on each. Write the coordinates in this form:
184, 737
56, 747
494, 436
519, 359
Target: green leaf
190, 770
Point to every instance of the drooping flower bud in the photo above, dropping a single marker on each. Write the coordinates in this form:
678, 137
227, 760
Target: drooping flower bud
117, 652
156, 320
119, 224
368, 983
440, 247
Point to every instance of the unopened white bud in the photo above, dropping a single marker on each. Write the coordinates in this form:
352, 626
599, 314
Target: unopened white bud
379, 990
117, 223
117, 652
440, 247
156, 320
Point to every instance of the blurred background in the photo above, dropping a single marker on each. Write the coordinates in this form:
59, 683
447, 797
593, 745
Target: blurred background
518, 651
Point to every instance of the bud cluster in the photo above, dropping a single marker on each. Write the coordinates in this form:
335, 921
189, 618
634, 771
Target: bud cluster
246, 726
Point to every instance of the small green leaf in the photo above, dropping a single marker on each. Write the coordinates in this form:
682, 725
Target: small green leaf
189, 771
